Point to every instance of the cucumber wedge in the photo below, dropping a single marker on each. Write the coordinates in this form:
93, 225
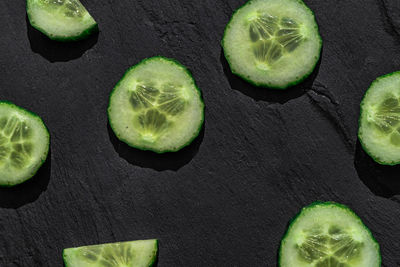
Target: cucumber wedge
142, 253
379, 124
24, 144
328, 234
156, 106
272, 43
61, 20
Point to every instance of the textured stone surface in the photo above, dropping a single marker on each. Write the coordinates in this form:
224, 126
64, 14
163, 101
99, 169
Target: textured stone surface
226, 200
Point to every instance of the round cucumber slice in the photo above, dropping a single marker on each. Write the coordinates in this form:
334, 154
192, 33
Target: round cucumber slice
379, 130
328, 234
61, 20
24, 144
141, 253
156, 106
272, 43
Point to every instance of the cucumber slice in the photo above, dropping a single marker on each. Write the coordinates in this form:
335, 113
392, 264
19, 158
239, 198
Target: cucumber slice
328, 234
24, 144
379, 130
272, 43
61, 20
142, 253
156, 106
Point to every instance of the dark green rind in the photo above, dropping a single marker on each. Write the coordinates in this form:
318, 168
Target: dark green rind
322, 203
84, 35
375, 158
64, 259
48, 143
195, 135
152, 264
265, 85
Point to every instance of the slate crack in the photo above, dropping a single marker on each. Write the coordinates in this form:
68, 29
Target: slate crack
396, 199
389, 26
324, 92
330, 107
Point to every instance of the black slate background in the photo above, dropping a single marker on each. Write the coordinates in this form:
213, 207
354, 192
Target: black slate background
225, 200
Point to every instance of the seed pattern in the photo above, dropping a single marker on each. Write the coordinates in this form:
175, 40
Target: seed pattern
272, 37
15, 145
152, 122
111, 255
170, 101
387, 119
156, 105
143, 97
71, 8
331, 262
333, 249
56, 2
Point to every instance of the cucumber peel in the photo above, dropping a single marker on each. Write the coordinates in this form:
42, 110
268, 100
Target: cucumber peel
24, 144
61, 20
272, 43
379, 123
140, 253
156, 106
328, 234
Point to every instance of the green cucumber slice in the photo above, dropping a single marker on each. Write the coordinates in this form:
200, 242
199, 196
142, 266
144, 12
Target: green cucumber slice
272, 43
61, 20
156, 106
141, 253
24, 144
379, 124
328, 234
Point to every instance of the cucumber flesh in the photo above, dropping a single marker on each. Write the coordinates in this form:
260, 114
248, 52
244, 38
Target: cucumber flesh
272, 43
141, 253
24, 144
379, 130
156, 106
61, 20
328, 235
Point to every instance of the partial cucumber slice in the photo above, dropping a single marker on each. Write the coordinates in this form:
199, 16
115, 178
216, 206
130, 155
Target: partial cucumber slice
379, 130
61, 20
156, 106
327, 234
24, 144
142, 253
272, 43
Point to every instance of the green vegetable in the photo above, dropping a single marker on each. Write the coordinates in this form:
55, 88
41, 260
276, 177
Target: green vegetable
24, 144
327, 234
61, 20
142, 253
379, 124
156, 106
272, 43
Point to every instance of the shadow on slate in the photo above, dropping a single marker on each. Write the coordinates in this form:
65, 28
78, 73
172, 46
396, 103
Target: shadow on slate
29, 191
159, 162
382, 180
265, 94
55, 51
